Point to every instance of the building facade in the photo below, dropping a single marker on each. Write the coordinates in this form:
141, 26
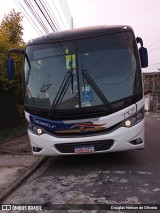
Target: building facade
152, 91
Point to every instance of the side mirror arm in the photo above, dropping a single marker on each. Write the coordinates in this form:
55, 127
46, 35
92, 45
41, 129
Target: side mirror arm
14, 50
140, 41
18, 51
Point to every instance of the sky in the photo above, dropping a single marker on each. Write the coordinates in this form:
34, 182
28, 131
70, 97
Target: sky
143, 16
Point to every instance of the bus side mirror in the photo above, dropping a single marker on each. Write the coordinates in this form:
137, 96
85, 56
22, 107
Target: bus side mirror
142, 53
10, 62
10, 68
143, 57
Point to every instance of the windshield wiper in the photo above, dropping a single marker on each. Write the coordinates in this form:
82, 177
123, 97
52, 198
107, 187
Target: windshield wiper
62, 90
97, 90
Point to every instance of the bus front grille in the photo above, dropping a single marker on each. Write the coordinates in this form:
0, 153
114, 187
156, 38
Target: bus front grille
101, 145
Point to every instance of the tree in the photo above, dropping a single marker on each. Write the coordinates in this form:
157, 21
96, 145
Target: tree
11, 32
11, 29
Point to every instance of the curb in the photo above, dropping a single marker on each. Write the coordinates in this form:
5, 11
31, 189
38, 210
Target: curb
13, 186
155, 116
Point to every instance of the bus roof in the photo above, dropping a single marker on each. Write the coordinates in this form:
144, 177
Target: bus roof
79, 33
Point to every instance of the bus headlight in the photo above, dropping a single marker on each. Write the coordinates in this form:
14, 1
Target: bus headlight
127, 123
36, 130
133, 120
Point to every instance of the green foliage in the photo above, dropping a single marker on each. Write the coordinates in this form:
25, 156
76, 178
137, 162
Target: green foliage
12, 29
11, 32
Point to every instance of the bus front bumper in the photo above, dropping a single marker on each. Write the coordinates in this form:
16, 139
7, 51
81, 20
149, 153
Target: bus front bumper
121, 139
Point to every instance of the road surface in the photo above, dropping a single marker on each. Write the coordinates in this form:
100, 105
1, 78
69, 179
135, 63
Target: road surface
131, 177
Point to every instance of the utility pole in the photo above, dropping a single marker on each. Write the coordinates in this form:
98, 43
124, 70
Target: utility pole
153, 85
153, 93
71, 22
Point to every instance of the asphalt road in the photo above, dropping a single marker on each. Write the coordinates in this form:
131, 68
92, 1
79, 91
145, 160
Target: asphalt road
131, 177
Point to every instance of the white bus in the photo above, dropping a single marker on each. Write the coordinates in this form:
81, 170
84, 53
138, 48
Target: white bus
83, 91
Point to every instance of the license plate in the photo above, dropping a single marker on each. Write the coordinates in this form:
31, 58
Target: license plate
83, 149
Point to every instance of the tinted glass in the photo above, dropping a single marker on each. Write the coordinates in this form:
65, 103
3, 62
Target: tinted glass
49, 66
108, 60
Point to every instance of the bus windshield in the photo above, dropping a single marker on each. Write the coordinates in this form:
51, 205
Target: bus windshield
88, 72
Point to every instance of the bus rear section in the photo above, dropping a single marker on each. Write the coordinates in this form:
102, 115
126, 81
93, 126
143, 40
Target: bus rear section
83, 91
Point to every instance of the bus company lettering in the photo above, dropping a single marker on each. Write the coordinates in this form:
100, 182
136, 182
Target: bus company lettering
42, 123
129, 112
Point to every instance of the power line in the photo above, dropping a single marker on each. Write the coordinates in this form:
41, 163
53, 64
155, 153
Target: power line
45, 11
39, 11
36, 15
153, 43
158, 47
66, 11
28, 17
59, 14
52, 15
31, 7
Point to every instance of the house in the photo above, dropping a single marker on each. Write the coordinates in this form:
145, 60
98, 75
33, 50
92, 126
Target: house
152, 91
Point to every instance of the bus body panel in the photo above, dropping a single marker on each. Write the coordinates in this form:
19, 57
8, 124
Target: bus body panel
83, 91
106, 121
122, 136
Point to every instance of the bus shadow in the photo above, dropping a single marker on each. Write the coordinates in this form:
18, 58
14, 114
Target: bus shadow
121, 161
